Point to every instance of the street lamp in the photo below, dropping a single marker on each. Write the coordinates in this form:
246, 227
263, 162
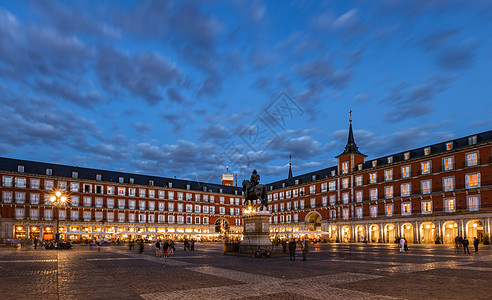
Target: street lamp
58, 199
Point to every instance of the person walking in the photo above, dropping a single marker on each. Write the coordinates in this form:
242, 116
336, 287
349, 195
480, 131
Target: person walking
171, 248
165, 248
158, 248
35, 244
465, 243
141, 244
475, 244
192, 245
292, 250
402, 244
284, 246
304, 248
185, 244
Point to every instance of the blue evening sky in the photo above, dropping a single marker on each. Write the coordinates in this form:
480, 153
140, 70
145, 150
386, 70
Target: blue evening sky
186, 88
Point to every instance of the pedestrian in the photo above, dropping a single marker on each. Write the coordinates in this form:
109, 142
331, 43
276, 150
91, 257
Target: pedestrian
171, 248
402, 244
185, 245
165, 248
465, 243
284, 246
475, 244
141, 244
192, 245
292, 250
304, 248
158, 248
405, 247
35, 244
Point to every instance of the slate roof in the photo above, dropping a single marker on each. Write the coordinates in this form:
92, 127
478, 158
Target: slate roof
39, 168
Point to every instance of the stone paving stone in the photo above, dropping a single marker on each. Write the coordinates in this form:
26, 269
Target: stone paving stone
278, 296
234, 275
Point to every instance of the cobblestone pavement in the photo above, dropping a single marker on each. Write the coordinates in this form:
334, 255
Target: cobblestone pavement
332, 271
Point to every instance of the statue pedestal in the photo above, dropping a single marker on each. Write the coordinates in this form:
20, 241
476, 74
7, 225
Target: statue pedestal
256, 232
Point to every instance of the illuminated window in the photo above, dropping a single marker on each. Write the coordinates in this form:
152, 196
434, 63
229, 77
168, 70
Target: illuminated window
449, 145
406, 155
358, 196
121, 191
405, 189
358, 180
373, 177
345, 213
406, 209
390, 159
426, 207
472, 180
374, 211
345, 198
359, 167
388, 192
448, 163
405, 172
473, 203
345, 183
388, 174
426, 186
448, 183
345, 167
389, 209
427, 151
374, 163
425, 167
374, 194
472, 140
358, 212
449, 205
471, 159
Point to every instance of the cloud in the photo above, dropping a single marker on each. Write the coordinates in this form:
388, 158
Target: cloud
70, 93
450, 50
214, 131
141, 127
405, 102
176, 120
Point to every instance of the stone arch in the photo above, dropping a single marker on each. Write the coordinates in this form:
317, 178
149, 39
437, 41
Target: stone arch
427, 233
474, 228
407, 232
346, 234
360, 234
390, 233
450, 232
221, 225
374, 233
313, 221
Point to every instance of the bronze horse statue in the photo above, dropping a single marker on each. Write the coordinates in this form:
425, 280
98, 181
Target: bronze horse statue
255, 192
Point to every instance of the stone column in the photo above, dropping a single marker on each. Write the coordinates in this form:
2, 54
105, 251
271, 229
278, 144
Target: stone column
41, 231
439, 231
27, 231
398, 229
416, 233
366, 233
382, 235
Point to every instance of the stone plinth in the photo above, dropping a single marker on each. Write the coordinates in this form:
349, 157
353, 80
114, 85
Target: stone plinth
256, 232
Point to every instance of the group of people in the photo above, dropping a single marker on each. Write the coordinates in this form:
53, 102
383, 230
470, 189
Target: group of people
293, 246
459, 241
189, 245
165, 248
403, 244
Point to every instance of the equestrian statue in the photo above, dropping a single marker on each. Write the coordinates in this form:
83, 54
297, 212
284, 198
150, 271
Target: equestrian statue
253, 190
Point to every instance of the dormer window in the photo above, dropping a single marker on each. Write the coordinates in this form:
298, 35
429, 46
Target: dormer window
374, 163
406, 156
220, 190
98, 177
132, 180
449, 145
20, 169
390, 159
332, 172
472, 140
187, 186
271, 187
297, 181
170, 184
121, 179
313, 178
283, 185
75, 174
49, 172
345, 167
151, 182
427, 151
359, 167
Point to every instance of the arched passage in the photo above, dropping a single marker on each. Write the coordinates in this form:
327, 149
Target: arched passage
360, 234
407, 232
427, 233
374, 233
346, 234
390, 233
474, 228
313, 221
450, 230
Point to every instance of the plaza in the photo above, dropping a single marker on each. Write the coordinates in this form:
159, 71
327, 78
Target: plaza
341, 271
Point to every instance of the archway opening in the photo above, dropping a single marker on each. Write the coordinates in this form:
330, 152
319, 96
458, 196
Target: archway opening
407, 232
390, 233
314, 222
450, 232
374, 233
427, 233
360, 234
345, 234
474, 228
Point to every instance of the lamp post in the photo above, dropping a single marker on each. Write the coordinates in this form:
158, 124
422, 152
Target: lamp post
58, 199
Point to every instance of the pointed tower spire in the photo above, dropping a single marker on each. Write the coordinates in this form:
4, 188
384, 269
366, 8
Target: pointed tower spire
290, 166
351, 147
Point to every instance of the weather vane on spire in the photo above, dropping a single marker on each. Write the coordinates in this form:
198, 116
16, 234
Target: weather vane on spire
350, 112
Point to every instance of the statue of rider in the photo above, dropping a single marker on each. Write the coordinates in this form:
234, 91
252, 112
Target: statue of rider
255, 178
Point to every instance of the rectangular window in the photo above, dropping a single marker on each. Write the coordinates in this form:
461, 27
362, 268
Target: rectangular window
324, 202
449, 145
170, 195
48, 214
302, 204
20, 182
170, 206
275, 208
345, 198
87, 201
281, 196
333, 214
294, 193
373, 177
7, 181
374, 163
222, 210
35, 183
110, 190
406, 156
448, 163
34, 214
189, 208
427, 151
288, 194
205, 209
151, 205
197, 197
99, 202
170, 219
48, 184
131, 218
20, 197
405, 190
406, 209
405, 172
180, 207
358, 212
426, 186
75, 174
425, 167
426, 207
331, 185
345, 183
333, 199
374, 211
189, 196
358, 196
121, 203
345, 213
358, 180
449, 205
313, 202
98, 215
180, 196
374, 194
142, 218
312, 189
345, 167
131, 192
150, 218
296, 205
74, 215
472, 159
121, 217
131, 204
161, 219
151, 193
448, 183
74, 200
289, 205
87, 215
110, 216
388, 192
34, 198
121, 191
389, 210
142, 193
142, 205
162, 206
324, 187
390, 159
74, 186
388, 174
282, 204
110, 203
472, 180
19, 213
473, 203
161, 194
